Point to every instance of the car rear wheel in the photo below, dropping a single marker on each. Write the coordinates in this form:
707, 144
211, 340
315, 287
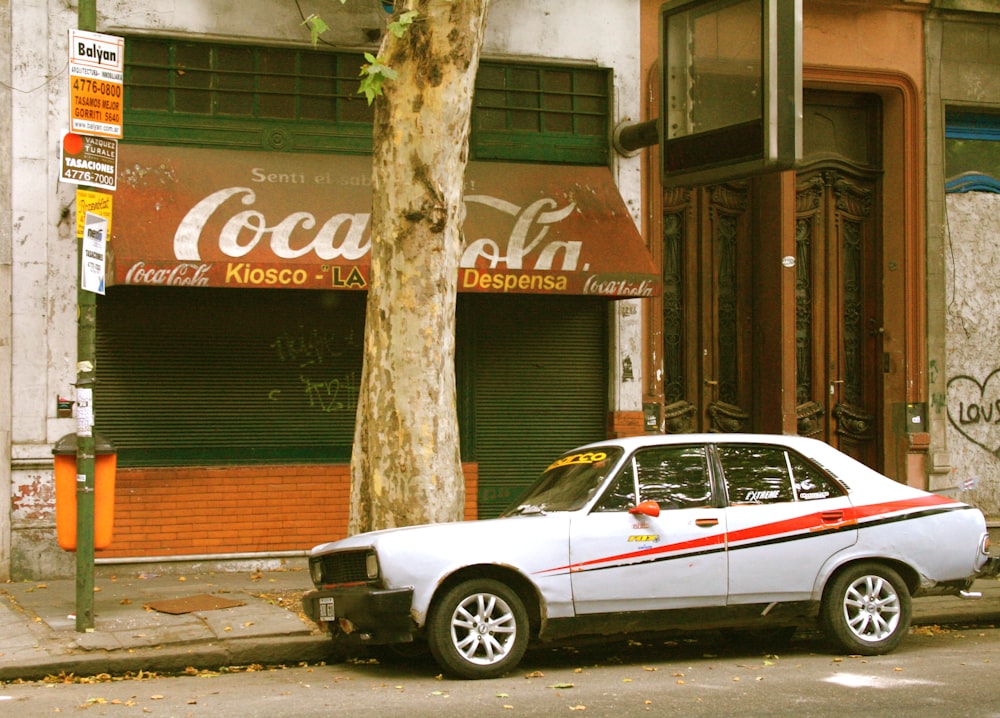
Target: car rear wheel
478, 629
866, 609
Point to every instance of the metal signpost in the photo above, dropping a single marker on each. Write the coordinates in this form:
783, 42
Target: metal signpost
96, 80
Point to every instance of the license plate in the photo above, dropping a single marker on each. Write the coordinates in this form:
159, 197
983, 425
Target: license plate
326, 612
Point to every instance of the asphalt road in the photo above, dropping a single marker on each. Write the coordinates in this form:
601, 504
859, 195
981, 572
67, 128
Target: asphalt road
935, 672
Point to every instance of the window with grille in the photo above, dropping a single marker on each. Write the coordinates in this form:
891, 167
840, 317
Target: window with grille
531, 112
287, 99
244, 97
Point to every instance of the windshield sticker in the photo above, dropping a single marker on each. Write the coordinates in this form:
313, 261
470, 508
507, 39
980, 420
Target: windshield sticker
590, 457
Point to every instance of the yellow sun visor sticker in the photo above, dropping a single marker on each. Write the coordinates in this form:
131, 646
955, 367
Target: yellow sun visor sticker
589, 457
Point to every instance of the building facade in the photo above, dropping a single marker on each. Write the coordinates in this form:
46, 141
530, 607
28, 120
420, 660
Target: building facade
963, 235
795, 302
850, 299
228, 340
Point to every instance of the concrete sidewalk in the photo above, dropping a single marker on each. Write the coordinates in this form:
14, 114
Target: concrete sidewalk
38, 634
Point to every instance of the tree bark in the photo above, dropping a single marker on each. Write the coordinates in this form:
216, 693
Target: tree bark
406, 465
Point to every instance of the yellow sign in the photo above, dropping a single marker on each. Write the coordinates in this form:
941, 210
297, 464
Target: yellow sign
591, 457
97, 203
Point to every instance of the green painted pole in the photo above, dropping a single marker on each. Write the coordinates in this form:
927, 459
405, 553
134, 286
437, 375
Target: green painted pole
85, 448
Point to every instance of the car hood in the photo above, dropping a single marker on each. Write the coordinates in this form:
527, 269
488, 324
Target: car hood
455, 536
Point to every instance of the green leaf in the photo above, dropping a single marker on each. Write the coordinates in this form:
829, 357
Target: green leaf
373, 75
398, 27
316, 27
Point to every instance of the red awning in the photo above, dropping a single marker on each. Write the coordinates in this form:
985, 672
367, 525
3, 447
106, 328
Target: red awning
222, 218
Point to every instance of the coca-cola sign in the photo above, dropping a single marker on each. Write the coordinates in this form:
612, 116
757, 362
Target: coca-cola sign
188, 217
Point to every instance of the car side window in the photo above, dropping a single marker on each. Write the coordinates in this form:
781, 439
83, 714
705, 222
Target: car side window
620, 496
809, 482
756, 474
676, 477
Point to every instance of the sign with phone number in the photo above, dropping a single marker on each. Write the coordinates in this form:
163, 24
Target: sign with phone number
88, 160
96, 72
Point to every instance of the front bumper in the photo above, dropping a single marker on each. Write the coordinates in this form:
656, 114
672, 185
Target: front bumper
362, 615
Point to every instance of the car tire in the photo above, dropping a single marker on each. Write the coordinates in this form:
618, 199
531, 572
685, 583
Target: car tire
866, 609
478, 629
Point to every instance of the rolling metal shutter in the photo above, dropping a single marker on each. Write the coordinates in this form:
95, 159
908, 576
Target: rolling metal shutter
227, 376
539, 375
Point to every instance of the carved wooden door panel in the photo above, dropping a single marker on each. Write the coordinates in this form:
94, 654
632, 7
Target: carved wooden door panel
706, 308
726, 306
839, 355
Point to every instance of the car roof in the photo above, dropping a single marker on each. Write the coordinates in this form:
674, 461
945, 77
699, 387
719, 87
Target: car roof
801, 443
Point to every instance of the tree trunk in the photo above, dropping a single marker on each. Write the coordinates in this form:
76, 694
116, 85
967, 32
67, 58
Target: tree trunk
406, 466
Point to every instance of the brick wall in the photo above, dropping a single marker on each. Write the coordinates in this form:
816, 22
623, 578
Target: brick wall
191, 511
626, 423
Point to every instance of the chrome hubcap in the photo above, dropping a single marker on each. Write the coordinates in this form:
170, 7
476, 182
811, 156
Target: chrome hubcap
483, 628
872, 608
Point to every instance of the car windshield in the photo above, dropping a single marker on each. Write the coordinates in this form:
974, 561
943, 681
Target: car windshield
568, 483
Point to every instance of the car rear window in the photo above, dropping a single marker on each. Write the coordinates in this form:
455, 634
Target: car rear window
757, 474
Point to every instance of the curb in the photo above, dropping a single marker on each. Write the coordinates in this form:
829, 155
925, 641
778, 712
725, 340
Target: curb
276, 650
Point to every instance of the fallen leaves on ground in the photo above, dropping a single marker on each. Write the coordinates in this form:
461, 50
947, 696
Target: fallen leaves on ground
930, 630
289, 600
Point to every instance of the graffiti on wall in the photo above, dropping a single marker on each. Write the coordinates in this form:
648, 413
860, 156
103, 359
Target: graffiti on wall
317, 354
974, 409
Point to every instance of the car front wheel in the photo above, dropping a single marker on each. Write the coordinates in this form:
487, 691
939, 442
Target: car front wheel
478, 629
866, 609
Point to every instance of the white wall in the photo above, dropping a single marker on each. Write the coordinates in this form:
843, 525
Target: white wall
5, 288
973, 329
43, 252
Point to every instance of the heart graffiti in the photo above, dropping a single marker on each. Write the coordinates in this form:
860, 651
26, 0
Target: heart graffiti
974, 409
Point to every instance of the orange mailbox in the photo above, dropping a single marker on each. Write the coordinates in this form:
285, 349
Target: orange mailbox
105, 465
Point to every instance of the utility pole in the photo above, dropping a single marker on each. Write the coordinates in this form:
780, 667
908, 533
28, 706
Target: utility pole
85, 448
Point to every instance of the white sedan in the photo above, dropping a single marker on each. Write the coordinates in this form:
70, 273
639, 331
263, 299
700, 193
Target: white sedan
655, 533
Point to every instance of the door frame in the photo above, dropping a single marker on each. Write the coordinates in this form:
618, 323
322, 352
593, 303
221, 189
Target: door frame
903, 270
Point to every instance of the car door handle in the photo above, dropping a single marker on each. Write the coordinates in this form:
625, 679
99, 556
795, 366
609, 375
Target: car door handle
832, 516
706, 522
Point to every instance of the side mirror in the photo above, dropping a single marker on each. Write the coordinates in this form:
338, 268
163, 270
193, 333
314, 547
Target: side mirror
646, 508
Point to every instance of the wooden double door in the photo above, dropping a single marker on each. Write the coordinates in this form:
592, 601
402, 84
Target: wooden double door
721, 370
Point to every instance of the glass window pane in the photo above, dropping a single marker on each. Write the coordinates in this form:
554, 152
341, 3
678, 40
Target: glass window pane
523, 79
755, 474
277, 83
676, 477
620, 496
192, 79
491, 76
354, 108
189, 57
558, 81
715, 53
810, 482
590, 125
558, 122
